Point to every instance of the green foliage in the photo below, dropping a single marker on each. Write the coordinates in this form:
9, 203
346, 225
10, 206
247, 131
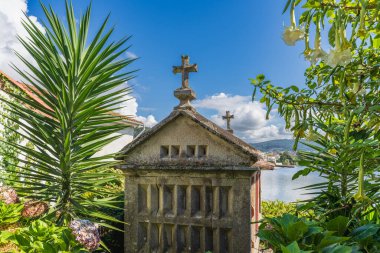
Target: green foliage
8, 134
42, 236
77, 83
112, 238
289, 233
277, 208
330, 201
338, 109
9, 213
287, 159
339, 112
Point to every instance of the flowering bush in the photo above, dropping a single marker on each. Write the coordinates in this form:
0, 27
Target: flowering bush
86, 233
33, 209
8, 195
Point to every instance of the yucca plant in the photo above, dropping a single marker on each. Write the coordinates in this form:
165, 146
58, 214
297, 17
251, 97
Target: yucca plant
76, 83
337, 195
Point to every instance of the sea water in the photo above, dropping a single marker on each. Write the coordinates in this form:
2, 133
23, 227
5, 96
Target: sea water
277, 184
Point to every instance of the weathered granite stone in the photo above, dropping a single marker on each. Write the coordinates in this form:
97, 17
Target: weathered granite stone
190, 186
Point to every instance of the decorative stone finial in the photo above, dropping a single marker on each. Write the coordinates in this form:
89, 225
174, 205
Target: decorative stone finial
228, 117
185, 94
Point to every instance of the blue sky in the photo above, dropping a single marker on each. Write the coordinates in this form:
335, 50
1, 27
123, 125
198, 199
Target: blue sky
231, 41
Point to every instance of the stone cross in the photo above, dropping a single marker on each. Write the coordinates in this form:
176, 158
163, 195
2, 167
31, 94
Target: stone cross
228, 117
185, 69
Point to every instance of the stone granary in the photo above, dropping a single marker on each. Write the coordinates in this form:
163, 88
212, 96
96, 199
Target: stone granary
190, 186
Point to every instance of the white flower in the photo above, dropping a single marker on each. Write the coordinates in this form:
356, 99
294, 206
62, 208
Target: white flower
292, 34
338, 57
317, 54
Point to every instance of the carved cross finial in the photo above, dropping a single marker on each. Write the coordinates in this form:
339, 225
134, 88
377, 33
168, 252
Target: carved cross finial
185, 69
228, 117
185, 94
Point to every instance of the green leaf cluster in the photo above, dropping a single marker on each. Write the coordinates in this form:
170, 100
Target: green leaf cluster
43, 236
289, 233
9, 213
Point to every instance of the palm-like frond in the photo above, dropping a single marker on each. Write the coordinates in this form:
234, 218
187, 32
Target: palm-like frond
76, 83
337, 164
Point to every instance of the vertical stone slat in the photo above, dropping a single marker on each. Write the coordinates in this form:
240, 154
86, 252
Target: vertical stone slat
175, 238
202, 239
149, 232
188, 202
216, 209
161, 200
216, 240
203, 201
176, 200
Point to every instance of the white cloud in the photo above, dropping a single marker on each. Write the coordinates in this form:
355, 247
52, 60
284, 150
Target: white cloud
149, 121
129, 108
11, 15
131, 55
249, 121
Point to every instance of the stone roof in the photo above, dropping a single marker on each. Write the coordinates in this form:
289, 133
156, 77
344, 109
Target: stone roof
31, 92
202, 121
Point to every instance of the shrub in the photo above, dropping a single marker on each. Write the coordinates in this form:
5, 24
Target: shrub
9, 213
43, 236
277, 208
292, 234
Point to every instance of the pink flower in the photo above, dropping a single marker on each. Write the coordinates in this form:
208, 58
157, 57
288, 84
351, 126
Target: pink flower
34, 208
86, 233
8, 195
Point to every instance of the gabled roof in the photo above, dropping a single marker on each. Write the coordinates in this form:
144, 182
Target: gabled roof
202, 121
31, 92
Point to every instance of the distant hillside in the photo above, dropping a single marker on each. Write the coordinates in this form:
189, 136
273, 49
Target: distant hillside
279, 145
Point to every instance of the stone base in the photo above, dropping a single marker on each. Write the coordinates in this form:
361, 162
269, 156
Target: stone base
185, 95
175, 211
